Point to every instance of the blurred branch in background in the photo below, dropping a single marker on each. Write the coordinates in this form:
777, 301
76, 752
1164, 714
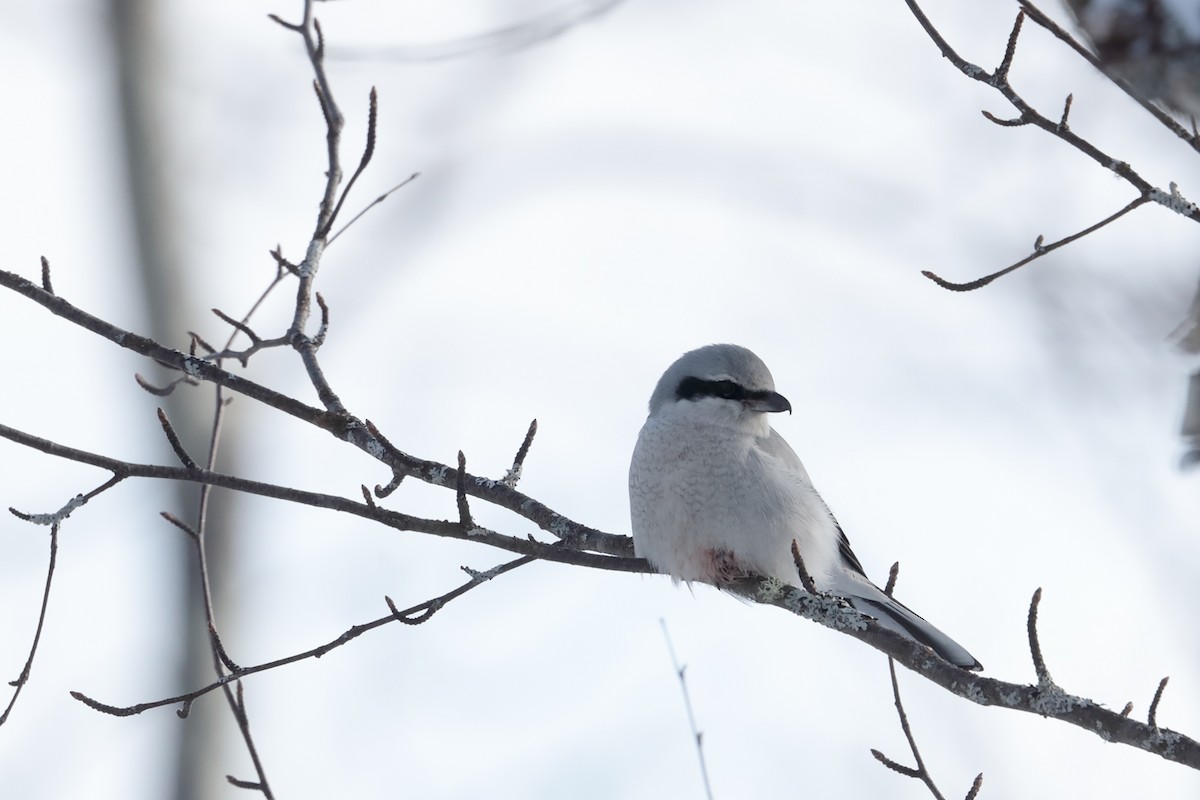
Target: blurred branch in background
137, 44
508, 39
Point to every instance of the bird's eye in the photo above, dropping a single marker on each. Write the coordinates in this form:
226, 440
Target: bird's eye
727, 390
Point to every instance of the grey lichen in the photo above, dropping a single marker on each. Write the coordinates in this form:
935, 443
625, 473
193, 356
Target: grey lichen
1051, 701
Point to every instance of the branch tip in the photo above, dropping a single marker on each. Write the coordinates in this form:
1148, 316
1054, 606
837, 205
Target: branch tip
1035, 647
460, 488
173, 439
1152, 717
893, 574
46, 285
805, 578
1000, 77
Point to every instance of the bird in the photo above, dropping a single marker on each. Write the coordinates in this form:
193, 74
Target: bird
717, 495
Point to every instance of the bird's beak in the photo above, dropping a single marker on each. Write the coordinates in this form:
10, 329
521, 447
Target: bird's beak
768, 402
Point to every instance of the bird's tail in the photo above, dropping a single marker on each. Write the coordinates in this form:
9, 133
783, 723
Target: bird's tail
898, 617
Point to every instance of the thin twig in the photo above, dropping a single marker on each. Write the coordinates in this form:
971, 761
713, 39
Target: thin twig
1152, 717
1039, 251
920, 772
805, 578
513, 475
46, 276
372, 204
893, 574
173, 440
1035, 647
368, 151
697, 736
460, 490
428, 608
23, 678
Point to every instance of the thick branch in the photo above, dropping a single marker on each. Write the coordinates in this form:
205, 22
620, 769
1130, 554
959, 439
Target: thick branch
1049, 701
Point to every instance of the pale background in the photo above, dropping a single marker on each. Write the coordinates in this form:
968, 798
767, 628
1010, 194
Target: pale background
670, 174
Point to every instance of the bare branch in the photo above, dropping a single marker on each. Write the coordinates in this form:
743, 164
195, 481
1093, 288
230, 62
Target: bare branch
46, 276
368, 151
1039, 250
1010, 50
1027, 115
1152, 717
697, 736
414, 615
1167, 121
578, 544
173, 439
1035, 647
372, 204
1043, 700
920, 772
513, 475
893, 574
460, 484
805, 578
23, 678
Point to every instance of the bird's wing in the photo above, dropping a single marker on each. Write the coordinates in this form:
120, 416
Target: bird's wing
778, 447
852, 582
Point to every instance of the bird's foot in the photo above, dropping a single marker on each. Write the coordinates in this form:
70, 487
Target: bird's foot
724, 567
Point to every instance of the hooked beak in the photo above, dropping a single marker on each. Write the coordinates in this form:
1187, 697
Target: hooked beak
767, 402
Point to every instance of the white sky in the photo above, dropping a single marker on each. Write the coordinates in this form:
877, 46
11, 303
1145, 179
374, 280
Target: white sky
675, 173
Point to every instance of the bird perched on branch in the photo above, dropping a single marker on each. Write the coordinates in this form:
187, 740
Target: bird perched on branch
717, 495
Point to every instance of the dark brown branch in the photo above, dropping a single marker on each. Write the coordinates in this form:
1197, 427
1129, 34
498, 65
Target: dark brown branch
893, 574
178, 523
513, 475
805, 578
460, 484
1043, 700
319, 339
1010, 50
414, 615
23, 678
607, 550
1050, 25
920, 772
163, 391
1035, 647
241, 326
1027, 115
573, 535
1039, 250
368, 151
1152, 717
46, 276
238, 704
173, 439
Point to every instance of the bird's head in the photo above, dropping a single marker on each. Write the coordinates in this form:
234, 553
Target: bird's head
722, 380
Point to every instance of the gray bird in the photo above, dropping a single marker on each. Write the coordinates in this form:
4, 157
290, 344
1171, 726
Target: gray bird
716, 494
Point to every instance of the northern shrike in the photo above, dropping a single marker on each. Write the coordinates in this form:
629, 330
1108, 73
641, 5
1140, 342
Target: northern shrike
716, 494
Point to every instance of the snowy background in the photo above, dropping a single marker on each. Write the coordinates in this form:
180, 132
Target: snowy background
667, 175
